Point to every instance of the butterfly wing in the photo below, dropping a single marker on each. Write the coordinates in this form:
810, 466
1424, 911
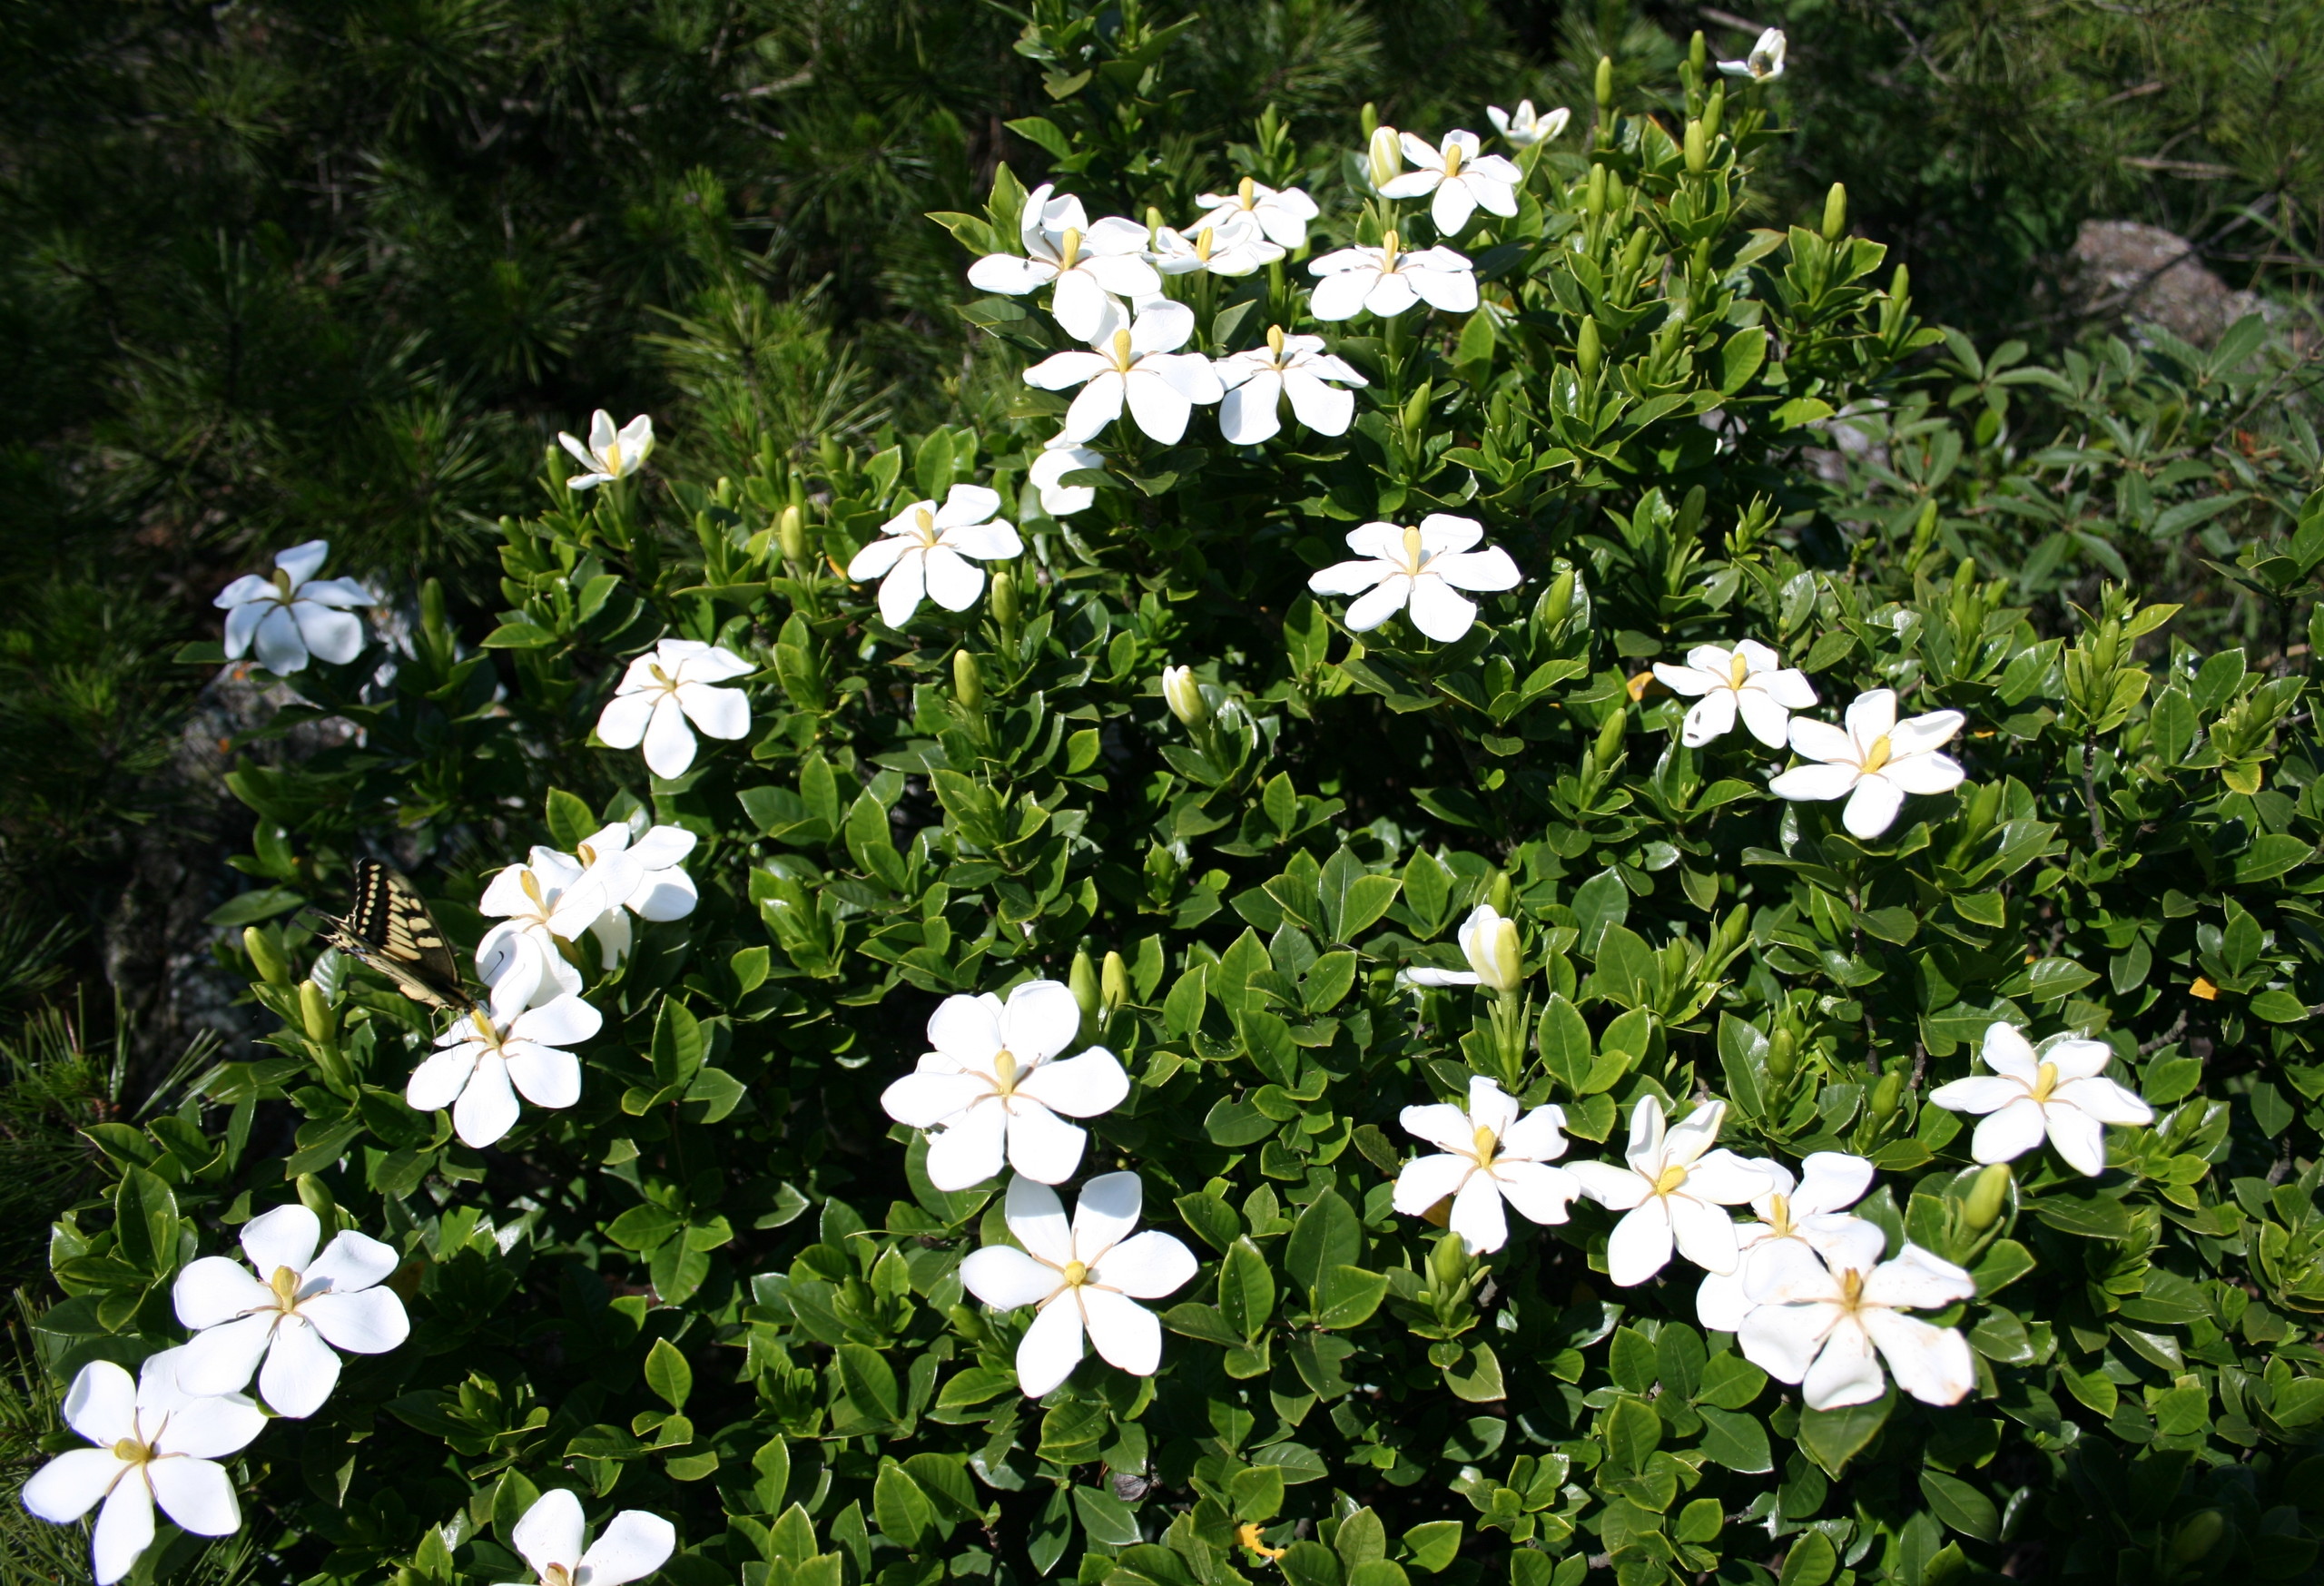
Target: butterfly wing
389, 927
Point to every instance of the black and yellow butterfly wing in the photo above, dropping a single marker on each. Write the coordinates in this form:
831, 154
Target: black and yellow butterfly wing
389, 927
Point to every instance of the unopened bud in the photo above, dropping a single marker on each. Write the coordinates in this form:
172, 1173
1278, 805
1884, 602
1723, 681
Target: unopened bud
1835, 214
314, 1012
1605, 85
1490, 943
790, 534
1183, 695
1900, 285
1004, 599
1500, 891
1715, 110
1586, 351
1083, 980
1987, 1195
1610, 734
1594, 196
1699, 53
1448, 1263
1385, 156
1698, 149
1415, 413
1558, 602
1888, 1094
968, 680
271, 965
1113, 984
1634, 251
1369, 118
2199, 1534
1783, 1055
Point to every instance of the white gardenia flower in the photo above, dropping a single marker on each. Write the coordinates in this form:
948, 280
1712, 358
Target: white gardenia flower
1060, 455
293, 614
1135, 365
155, 1443
924, 550
662, 692
1086, 1279
2053, 1093
1751, 680
1461, 178
1088, 264
1235, 246
1812, 1209
992, 1091
1873, 761
1489, 943
1421, 568
519, 959
1488, 1155
481, 1056
1281, 214
1765, 63
551, 1533
1819, 1320
1386, 281
1295, 368
610, 455
1522, 128
619, 877
1674, 1189
296, 1310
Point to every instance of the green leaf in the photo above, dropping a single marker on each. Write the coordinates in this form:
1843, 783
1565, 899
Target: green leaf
901, 1509
1961, 1506
1599, 902
1565, 1044
1737, 1441
1105, 1518
1632, 1432
2086, 1217
1326, 1234
1258, 1492
1208, 1215
1348, 1296
1477, 1379
668, 1375
1246, 1289
570, 821
870, 1381
1434, 1544
1811, 1560
145, 1226
1833, 1437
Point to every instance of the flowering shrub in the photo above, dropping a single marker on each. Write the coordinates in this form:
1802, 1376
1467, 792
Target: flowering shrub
1298, 917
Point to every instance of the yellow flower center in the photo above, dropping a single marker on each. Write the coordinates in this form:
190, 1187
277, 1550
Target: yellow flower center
1077, 1273
1414, 555
1780, 1216
533, 890
661, 677
285, 1284
131, 1452
1877, 755
1004, 1070
1738, 669
1275, 343
923, 524
2045, 1079
1485, 1145
1203, 239
1242, 193
1069, 253
1389, 244
1670, 1178
556, 1575
610, 459
1851, 1289
283, 591
1121, 350
1452, 161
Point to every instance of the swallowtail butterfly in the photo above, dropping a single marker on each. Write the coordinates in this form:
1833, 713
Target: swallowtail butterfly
389, 927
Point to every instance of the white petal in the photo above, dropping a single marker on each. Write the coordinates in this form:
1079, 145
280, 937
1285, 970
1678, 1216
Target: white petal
1643, 1150
1108, 1211
1918, 1280
2004, 1050
1932, 1364
1453, 290
1613, 1188
367, 1322
1099, 404
1539, 1192
487, 1108
969, 1150
69, 1486
1043, 1146
1720, 1304
241, 625
1977, 1093
1050, 1348
285, 1236
1640, 1244
1727, 1179
281, 648
722, 713
669, 745
350, 1261
1147, 1266
1383, 601
1770, 722
633, 1547
1251, 411
1822, 740
1918, 734
1451, 207
1788, 686
1784, 1340
1424, 1181
1476, 1214
1709, 717
1007, 1279
1080, 1087
550, 1532
1079, 304
125, 1529
1846, 1373
923, 1101
437, 1082
1348, 577
1785, 1272
1704, 1234
621, 724
2077, 1136
2009, 1134
1831, 1181
335, 635
300, 1370
953, 581
213, 1290
1815, 782
1160, 408
993, 541
1393, 293
1324, 408
1040, 1020
1125, 1332
1008, 274
2103, 1100
1062, 370
222, 1359
1037, 1221
1925, 774
302, 562
968, 1030
875, 560
196, 1493
1871, 807
1341, 296
1870, 716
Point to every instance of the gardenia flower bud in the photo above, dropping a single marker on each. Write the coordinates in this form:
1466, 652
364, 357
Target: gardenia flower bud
1385, 156
1782, 1056
1605, 83
2198, 1534
790, 534
1888, 1093
1835, 214
1609, 737
1586, 349
968, 679
314, 1012
1004, 598
271, 965
1698, 149
1184, 695
1082, 979
1113, 990
1986, 1196
1490, 944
